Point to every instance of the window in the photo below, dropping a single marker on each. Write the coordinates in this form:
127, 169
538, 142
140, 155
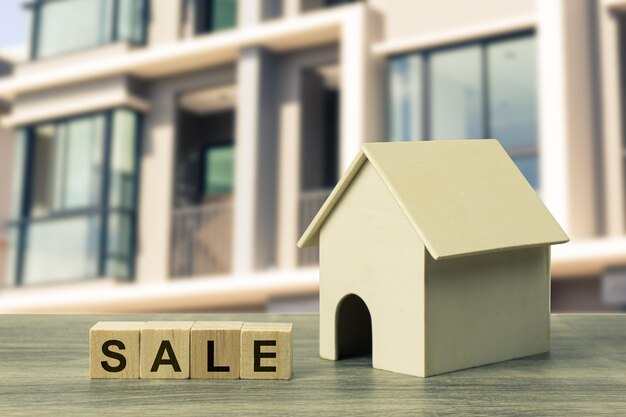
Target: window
485, 89
74, 199
218, 170
68, 25
215, 15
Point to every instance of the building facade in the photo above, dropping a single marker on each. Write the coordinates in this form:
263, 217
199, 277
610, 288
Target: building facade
167, 154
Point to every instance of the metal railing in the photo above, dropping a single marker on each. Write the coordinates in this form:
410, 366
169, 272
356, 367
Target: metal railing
202, 240
310, 203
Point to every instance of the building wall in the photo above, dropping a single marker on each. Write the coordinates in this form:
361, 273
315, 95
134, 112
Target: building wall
413, 18
577, 108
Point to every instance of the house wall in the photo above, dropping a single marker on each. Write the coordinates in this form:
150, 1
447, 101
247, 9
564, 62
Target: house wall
486, 308
369, 248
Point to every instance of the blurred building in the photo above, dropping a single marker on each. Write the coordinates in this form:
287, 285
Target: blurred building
165, 155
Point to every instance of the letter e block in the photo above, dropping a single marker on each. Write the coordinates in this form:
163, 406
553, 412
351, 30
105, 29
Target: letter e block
165, 350
266, 351
215, 347
114, 349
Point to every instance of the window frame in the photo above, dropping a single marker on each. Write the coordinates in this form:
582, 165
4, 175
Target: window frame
37, 5
102, 210
425, 97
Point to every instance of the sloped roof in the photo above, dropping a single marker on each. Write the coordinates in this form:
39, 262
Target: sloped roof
462, 197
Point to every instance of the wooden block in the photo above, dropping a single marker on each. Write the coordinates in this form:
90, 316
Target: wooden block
215, 348
266, 351
114, 349
165, 350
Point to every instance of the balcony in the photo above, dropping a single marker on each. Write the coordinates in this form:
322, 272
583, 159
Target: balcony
202, 240
310, 203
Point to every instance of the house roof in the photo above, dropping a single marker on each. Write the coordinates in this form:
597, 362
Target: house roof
462, 197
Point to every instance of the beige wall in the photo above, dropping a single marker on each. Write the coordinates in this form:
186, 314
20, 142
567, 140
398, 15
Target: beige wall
408, 18
6, 171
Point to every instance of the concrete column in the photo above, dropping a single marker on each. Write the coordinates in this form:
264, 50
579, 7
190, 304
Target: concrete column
612, 123
165, 23
289, 180
292, 8
253, 12
255, 166
567, 115
361, 85
155, 198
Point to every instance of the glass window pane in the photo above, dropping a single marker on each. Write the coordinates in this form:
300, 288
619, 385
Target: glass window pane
219, 170
513, 92
119, 245
224, 14
529, 166
68, 25
456, 93
405, 101
76, 258
84, 142
130, 20
11, 253
67, 165
17, 179
119, 234
123, 156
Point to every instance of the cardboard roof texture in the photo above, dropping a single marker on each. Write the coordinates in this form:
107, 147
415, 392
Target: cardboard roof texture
461, 196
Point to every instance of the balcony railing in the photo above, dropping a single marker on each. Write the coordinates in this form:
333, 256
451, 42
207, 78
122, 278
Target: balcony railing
202, 240
310, 203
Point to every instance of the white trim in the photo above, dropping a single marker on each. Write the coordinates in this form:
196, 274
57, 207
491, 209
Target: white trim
587, 258
464, 34
199, 293
90, 105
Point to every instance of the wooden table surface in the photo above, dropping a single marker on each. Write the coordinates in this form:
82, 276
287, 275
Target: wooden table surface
44, 370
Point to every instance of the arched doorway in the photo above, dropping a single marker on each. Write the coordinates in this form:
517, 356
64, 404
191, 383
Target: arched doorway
353, 328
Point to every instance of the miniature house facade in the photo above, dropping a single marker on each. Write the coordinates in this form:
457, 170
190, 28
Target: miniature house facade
434, 255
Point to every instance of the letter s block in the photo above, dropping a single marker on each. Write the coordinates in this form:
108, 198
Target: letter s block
266, 351
165, 350
114, 349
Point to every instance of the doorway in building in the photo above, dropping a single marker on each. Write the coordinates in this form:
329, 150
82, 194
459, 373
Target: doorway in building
353, 328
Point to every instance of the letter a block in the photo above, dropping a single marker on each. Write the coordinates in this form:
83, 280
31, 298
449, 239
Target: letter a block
114, 349
215, 347
266, 351
165, 350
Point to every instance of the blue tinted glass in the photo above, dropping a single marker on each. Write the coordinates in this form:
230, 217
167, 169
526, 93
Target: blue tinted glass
513, 92
123, 171
67, 165
405, 98
456, 102
529, 166
69, 25
130, 20
47, 260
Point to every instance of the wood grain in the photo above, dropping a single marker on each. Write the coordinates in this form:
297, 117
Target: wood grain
164, 352
120, 338
266, 350
224, 337
44, 370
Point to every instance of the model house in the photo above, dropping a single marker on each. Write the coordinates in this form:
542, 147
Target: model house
445, 246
